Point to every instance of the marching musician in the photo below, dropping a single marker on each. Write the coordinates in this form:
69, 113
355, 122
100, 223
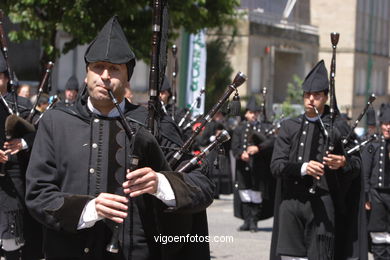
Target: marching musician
79, 165
252, 151
305, 221
219, 158
371, 121
15, 223
71, 91
376, 170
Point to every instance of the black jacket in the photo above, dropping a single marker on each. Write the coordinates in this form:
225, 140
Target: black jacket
71, 163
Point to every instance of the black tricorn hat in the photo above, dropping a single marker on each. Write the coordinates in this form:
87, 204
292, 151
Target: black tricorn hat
317, 79
72, 83
371, 118
111, 45
384, 114
3, 63
165, 84
252, 105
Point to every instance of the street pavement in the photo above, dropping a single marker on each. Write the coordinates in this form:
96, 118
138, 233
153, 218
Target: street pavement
245, 245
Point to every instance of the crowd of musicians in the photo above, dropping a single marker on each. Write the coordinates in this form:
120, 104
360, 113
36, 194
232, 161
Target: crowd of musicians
82, 177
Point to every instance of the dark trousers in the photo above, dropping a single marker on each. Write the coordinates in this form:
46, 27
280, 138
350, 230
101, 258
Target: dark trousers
306, 227
379, 220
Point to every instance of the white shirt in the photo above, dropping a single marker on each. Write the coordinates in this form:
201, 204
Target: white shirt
164, 192
304, 165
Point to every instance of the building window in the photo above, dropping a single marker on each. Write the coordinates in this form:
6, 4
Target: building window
256, 75
360, 81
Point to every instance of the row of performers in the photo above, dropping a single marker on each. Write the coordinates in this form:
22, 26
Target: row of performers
320, 193
327, 189
47, 173
325, 203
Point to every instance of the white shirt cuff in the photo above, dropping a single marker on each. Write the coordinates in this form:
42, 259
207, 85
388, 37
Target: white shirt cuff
164, 191
303, 169
24, 144
89, 216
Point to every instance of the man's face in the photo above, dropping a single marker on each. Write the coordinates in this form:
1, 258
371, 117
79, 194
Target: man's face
70, 94
251, 116
24, 91
164, 96
104, 76
314, 99
3, 83
385, 127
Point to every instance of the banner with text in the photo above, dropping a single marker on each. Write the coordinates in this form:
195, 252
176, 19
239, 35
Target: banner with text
196, 79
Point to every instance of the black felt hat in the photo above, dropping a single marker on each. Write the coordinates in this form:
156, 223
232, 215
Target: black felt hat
384, 114
317, 79
371, 118
111, 45
165, 85
252, 105
72, 83
3, 63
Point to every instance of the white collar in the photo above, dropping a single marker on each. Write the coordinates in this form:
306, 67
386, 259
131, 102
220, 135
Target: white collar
113, 113
311, 119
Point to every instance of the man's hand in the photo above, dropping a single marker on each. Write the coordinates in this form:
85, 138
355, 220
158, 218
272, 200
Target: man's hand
141, 181
367, 205
334, 161
3, 156
315, 169
13, 146
245, 156
111, 206
252, 149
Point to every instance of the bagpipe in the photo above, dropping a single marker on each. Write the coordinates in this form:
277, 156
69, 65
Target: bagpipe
239, 79
158, 60
11, 83
187, 115
113, 246
174, 76
329, 136
371, 99
219, 140
16, 126
43, 82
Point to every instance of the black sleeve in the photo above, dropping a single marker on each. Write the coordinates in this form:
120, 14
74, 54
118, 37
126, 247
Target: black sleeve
44, 199
193, 191
280, 163
268, 144
367, 165
236, 147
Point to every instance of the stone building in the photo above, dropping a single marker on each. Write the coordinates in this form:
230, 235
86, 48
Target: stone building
362, 52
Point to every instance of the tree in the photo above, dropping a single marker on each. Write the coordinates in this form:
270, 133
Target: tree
219, 71
294, 96
42, 19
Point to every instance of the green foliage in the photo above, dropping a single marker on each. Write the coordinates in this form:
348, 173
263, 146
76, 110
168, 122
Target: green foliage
42, 19
294, 96
219, 71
